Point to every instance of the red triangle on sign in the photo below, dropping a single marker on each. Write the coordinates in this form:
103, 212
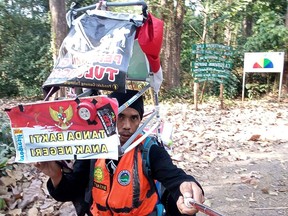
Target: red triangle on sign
256, 65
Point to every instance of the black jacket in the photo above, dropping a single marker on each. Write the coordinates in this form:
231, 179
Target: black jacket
77, 185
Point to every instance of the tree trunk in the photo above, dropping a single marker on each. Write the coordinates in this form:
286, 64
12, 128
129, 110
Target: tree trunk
285, 73
173, 17
248, 21
58, 24
203, 40
58, 30
216, 29
286, 17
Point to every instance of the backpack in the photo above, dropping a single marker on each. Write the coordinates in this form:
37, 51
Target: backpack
159, 188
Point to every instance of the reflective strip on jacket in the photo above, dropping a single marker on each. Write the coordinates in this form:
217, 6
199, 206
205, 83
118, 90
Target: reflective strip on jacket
127, 192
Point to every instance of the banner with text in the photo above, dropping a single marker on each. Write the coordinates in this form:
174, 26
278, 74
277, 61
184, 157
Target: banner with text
81, 128
95, 53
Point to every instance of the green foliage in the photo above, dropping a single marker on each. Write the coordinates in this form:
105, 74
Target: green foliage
26, 60
178, 94
2, 204
267, 33
258, 85
232, 87
25, 48
7, 149
5, 133
255, 90
191, 35
270, 34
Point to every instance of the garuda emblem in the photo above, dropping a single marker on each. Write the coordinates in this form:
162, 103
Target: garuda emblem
62, 117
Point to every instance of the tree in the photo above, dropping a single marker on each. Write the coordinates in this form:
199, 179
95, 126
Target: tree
58, 30
246, 25
24, 47
172, 12
58, 24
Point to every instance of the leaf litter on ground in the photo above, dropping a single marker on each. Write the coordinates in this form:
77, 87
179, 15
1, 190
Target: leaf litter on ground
230, 152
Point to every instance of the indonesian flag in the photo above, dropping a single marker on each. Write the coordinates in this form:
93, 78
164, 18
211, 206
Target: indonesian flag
150, 37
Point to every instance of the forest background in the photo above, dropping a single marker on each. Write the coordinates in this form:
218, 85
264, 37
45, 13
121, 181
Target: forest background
31, 32
30, 38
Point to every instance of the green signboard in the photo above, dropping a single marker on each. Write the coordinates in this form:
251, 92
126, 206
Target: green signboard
213, 62
212, 52
215, 79
226, 65
202, 75
210, 69
211, 46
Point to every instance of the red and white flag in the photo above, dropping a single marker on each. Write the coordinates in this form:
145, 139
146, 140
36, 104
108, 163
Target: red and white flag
150, 37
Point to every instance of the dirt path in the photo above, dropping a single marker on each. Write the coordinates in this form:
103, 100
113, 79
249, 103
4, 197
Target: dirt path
256, 186
239, 155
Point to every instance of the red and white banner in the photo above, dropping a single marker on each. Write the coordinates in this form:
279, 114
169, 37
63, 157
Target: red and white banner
82, 128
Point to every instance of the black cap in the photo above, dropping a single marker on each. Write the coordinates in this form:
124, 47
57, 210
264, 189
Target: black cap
124, 97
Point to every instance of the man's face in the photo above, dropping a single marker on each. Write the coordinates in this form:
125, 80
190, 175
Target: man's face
127, 124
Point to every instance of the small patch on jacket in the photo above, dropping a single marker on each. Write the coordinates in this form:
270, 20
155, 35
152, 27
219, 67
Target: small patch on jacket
98, 174
124, 177
100, 186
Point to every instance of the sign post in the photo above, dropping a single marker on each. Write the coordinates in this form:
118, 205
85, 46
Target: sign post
213, 63
263, 62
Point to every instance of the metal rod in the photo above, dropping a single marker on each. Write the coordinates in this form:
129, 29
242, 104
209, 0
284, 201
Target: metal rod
156, 99
49, 94
203, 208
134, 98
142, 138
139, 130
114, 4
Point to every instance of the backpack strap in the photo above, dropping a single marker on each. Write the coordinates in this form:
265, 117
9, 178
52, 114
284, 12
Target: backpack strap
151, 140
145, 154
146, 162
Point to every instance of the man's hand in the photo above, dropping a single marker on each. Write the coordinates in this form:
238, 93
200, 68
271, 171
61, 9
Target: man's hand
189, 190
51, 169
